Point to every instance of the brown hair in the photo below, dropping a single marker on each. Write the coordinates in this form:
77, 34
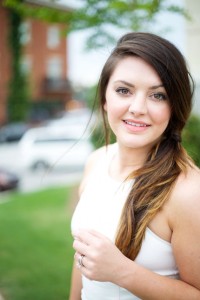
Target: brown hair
155, 179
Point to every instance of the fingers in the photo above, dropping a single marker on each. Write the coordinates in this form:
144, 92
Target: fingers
80, 247
83, 240
97, 234
88, 236
87, 242
85, 236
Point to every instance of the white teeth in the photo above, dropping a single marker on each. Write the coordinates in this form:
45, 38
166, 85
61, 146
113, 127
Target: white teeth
136, 124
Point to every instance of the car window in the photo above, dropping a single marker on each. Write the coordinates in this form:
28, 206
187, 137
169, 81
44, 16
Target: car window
53, 140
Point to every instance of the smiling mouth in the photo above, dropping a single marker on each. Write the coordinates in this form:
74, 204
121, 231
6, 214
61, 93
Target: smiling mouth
136, 124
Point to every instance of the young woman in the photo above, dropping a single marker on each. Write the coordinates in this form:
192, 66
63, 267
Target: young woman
137, 224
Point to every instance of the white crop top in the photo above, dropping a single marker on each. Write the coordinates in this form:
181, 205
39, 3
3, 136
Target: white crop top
100, 208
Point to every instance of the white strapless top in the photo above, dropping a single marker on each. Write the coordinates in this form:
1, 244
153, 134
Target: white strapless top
100, 208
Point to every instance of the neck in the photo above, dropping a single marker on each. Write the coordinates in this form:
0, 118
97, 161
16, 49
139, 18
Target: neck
126, 161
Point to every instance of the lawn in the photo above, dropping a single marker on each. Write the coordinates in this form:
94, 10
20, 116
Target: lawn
36, 252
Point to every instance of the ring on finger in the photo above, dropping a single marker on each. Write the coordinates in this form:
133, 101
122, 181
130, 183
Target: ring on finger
80, 260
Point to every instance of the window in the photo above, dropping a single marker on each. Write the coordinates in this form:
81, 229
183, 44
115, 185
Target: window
54, 68
25, 33
26, 65
53, 37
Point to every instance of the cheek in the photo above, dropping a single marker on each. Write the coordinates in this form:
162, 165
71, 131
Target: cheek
160, 115
114, 111
113, 106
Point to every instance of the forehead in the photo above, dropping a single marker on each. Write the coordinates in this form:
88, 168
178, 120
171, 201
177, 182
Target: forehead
133, 69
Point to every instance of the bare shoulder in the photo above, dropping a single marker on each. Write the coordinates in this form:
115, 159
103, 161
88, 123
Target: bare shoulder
186, 192
94, 157
91, 162
185, 221
185, 198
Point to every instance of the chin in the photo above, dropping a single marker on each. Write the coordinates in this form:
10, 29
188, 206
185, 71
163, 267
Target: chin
137, 144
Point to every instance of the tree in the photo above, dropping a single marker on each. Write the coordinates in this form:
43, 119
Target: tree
18, 95
102, 17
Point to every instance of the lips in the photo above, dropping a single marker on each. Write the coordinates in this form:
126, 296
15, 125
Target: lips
136, 124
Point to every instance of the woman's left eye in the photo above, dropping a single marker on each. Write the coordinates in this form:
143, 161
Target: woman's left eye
159, 96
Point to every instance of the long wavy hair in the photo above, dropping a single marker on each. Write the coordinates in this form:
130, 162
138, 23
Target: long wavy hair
154, 181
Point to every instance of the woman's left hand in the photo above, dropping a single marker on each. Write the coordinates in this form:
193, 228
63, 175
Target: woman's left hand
102, 260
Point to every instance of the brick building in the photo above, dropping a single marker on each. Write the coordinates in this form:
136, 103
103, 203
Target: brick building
44, 61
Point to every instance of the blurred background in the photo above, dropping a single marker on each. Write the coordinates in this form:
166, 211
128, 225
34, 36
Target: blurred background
51, 56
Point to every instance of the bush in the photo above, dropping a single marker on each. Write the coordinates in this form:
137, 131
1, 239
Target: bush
191, 138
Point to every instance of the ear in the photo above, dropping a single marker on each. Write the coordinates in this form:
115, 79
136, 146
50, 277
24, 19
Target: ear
105, 106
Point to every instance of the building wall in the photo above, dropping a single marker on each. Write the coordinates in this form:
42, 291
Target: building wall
41, 59
39, 53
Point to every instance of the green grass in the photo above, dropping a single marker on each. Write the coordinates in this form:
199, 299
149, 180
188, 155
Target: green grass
36, 252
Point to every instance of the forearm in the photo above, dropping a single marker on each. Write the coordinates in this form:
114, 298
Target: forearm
148, 285
76, 284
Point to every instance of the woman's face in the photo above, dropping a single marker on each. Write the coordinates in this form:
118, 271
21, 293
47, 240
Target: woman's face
137, 104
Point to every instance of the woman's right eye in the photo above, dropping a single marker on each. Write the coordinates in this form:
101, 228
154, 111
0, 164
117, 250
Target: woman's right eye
123, 91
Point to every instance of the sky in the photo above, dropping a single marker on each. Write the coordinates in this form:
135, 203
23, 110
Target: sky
85, 66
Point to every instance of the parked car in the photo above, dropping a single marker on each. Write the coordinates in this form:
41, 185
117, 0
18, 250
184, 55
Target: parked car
12, 132
83, 119
8, 180
46, 147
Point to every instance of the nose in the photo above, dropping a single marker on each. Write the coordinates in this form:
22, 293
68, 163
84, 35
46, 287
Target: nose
138, 105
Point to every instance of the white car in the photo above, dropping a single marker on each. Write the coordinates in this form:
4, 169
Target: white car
53, 147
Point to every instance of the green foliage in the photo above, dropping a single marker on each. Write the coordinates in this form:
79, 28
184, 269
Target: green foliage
36, 253
98, 137
18, 90
191, 138
103, 17
48, 14
86, 95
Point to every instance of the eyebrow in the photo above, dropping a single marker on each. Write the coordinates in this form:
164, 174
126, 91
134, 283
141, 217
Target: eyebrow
132, 85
